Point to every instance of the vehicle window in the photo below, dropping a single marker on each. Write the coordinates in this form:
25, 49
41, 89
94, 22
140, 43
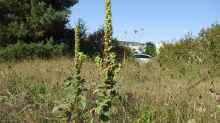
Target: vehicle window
141, 56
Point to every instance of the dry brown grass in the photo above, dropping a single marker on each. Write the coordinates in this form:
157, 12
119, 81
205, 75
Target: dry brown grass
173, 97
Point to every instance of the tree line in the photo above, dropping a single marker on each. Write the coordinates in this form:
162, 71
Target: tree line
32, 28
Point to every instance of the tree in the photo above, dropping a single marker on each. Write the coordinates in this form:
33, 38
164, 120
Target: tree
33, 20
13, 14
150, 49
92, 45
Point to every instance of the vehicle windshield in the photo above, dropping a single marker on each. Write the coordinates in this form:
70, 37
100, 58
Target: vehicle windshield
141, 56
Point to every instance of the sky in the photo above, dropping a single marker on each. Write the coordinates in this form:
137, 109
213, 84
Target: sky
149, 20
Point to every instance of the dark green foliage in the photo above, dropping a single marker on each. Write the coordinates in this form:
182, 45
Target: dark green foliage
150, 49
33, 20
92, 45
22, 51
122, 52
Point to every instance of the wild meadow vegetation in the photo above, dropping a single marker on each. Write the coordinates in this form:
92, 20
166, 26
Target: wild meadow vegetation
31, 89
180, 85
40, 82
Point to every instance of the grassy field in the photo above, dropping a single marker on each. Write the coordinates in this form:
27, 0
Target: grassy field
151, 93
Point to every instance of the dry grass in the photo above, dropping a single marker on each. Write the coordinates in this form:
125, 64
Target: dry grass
169, 96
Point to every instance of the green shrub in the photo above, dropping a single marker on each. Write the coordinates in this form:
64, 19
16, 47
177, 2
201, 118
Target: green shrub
21, 51
204, 49
150, 49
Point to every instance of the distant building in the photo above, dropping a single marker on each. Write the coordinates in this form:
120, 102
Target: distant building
137, 47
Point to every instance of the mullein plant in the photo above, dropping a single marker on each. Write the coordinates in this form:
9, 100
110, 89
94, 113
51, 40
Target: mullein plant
74, 102
107, 91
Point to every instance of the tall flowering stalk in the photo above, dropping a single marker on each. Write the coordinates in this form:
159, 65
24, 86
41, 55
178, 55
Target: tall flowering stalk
79, 57
74, 102
77, 63
76, 82
107, 30
107, 89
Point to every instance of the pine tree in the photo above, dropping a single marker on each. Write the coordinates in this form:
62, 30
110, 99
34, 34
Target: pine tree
33, 20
